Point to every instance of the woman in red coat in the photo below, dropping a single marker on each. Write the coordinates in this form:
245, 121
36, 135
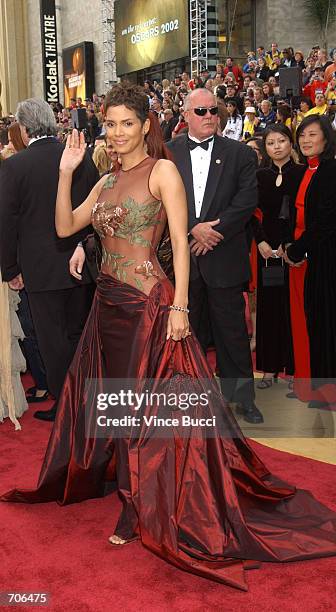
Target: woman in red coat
312, 285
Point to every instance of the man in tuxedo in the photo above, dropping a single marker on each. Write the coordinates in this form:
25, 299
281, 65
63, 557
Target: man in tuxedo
31, 254
220, 181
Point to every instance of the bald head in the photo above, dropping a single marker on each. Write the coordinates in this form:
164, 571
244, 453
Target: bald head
204, 123
199, 97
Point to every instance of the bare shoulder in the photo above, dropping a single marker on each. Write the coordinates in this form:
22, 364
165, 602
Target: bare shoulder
164, 166
164, 171
164, 175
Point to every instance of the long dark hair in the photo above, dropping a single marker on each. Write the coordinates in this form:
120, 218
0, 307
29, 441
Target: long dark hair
156, 147
233, 102
135, 98
328, 133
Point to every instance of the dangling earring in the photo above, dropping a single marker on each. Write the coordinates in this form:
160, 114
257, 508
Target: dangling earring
278, 180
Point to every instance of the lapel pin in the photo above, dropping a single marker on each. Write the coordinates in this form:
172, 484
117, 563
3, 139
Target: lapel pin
218, 161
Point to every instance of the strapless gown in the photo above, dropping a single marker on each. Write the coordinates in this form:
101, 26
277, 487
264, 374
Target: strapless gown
199, 497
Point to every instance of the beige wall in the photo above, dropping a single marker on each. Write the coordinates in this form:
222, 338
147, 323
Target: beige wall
286, 23
14, 60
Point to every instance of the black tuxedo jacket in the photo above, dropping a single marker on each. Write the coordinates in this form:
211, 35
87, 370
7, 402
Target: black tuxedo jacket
28, 239
231, 196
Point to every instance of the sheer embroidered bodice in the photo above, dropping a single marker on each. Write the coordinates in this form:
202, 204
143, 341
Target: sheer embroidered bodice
130, 221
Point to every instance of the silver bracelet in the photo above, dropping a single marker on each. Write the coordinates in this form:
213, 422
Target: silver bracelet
179, 308
80, 244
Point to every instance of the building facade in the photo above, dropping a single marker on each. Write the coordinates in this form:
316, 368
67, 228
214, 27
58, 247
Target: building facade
234, 27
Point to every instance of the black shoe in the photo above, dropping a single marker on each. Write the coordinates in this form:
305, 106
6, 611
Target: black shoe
31, 391
250, 412
34, 399
46, 415
318, 404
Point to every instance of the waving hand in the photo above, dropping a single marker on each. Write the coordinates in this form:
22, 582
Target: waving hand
74, 151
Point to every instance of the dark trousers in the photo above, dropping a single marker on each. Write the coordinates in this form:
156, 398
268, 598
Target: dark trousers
29, 343
59, 317
226, 309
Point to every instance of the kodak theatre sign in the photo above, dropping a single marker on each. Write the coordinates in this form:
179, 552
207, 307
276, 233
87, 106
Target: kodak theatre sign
49, 50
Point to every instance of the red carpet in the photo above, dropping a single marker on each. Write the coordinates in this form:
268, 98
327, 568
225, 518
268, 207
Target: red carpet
64, 551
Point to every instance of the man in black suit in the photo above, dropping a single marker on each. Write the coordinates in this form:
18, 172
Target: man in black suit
220, 181
31, 254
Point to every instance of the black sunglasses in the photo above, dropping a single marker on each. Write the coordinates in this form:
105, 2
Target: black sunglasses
202, 110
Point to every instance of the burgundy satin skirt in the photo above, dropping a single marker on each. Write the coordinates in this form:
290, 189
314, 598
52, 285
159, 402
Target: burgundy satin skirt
208, 505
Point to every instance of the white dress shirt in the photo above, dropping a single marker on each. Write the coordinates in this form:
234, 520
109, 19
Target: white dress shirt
38, 138
200, 163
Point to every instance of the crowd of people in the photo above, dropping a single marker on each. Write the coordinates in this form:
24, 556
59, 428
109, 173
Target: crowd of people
189, 186
249, 108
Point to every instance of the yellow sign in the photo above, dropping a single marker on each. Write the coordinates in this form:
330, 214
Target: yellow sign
150, 32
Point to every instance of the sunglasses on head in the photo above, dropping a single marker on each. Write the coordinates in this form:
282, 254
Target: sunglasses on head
202, 110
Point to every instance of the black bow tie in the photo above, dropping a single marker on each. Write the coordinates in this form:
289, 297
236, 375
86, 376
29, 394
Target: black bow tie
205, 144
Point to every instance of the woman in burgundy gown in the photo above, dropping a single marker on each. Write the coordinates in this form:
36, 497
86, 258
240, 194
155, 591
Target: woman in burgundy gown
196, 496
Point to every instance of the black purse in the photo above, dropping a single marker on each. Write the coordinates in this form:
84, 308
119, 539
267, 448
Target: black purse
273, 276
93, 254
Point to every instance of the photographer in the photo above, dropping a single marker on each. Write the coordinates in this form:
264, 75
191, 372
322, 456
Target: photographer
317, 81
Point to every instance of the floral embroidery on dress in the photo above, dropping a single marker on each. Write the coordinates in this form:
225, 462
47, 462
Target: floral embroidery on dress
129, 220
146, 269
117, 262
140, 218
107, 217
110, 181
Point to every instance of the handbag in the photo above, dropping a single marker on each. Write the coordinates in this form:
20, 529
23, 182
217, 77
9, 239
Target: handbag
273, 276
93, 254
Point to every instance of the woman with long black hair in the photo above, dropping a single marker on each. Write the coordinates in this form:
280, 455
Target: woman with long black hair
275, 184
234, 125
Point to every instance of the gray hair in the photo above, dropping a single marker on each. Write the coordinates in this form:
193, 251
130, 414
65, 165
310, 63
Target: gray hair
37, 117
191, 95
